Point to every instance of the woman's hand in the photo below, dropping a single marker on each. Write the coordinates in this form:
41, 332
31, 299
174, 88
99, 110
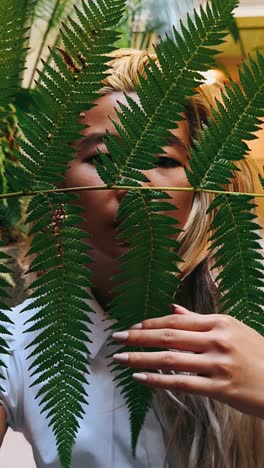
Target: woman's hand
226, 356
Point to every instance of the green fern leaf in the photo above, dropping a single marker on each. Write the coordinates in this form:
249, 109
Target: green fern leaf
236, 245
52, 12
63, 93
164, 94
222, 142
60, 347
12, 53
148, 279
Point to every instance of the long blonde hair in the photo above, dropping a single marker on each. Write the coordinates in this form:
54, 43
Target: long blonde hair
203, 433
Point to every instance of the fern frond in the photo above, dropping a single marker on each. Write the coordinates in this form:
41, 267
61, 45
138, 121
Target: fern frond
63, 94
147, 280
11, 61
4, 310
236, 245
54, 13
144, 130
236, 120
164, 94
61, 324
64, 15
12, 53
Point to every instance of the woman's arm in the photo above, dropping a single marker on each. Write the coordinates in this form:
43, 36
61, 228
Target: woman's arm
3, 424
225, 356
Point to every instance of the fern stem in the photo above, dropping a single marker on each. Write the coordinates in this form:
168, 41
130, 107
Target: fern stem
124, 187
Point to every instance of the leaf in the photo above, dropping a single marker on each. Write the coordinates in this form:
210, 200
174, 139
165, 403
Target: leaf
60, 346
236, 120
147, 281
54, 13
164, 93
12, 51
236, 245
64, 93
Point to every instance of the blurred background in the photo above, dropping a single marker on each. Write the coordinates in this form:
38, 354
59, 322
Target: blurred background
145, 22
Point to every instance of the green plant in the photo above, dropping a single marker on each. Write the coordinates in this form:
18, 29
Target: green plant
12, 226
63, 92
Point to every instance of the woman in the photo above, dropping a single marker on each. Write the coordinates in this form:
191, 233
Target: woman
196, 432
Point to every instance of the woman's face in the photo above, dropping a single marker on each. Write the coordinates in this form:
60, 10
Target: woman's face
101, 207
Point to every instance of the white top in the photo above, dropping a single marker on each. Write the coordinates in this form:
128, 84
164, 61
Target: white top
103, 440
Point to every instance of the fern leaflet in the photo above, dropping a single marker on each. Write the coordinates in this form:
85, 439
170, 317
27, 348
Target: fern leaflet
211, 164
59, 356
12, 33
235, 242
12, 54
64, 93
147, 280
163, 95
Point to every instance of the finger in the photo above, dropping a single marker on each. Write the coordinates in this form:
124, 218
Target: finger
190, 321
166, 360
166, 338
177, 309
192, 384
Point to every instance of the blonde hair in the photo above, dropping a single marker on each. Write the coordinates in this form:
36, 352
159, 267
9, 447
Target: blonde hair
203, 433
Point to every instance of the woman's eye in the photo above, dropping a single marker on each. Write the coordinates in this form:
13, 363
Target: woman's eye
90, 159
167, 162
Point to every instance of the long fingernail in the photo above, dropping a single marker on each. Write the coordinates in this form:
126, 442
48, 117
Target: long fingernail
176, 308
140, 377
138, 326
120, 336
124, 357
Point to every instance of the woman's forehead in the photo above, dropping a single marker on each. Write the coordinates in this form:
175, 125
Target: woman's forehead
99, 118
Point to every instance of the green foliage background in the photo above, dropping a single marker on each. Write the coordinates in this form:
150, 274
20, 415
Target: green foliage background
68, 85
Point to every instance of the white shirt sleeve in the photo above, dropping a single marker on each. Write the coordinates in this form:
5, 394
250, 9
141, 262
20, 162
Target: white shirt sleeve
12, 387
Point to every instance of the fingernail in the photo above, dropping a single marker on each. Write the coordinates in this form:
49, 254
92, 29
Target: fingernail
120, 336
140, 377
138, 326
121, 357
176, 308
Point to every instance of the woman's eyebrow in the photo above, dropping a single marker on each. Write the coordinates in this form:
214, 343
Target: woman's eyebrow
95, 138
173, 140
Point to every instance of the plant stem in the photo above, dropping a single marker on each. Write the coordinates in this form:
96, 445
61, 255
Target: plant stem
128, 188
